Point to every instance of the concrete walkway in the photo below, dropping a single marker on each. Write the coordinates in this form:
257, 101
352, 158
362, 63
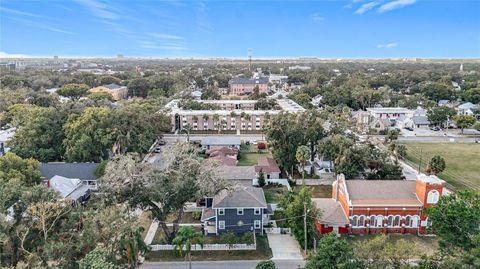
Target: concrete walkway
152, 230
284, 247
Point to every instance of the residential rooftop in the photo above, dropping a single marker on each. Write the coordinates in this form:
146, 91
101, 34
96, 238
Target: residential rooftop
82, 171
245, 197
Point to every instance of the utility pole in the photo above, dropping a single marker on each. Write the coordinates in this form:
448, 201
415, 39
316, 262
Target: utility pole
420, 163
305, 225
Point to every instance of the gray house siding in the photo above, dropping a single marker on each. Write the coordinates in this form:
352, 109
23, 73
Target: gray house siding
233, 222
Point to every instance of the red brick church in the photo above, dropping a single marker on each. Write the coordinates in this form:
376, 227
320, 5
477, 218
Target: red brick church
379, 206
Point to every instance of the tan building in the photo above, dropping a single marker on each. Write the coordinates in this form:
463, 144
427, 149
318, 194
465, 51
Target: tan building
233, 115
118, 92
246, 86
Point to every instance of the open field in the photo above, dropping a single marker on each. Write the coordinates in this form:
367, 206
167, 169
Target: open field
462, 160
425, 244
263, 252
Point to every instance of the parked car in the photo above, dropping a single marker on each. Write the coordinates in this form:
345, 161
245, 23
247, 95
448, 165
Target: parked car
435, 128
157, 150
161, 142
408, 128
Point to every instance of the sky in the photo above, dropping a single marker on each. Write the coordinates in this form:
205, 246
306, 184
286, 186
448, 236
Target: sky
271, 29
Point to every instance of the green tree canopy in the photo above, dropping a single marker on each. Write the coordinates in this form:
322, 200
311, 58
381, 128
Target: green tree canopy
464, 121
436, 165
73, 90
439, 115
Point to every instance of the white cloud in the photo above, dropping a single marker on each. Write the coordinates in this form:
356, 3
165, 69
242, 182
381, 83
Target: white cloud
40, 25
366, 7
388, 46
395, 4
4, 54
166, 36
18, 12
317, 17
99, 9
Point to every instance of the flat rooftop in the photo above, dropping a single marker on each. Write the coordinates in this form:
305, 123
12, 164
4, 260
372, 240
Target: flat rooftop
287, 105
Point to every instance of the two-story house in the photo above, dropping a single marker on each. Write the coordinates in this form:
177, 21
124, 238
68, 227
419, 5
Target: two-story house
242, 210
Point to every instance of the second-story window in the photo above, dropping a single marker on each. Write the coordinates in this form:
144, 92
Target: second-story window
221, 211
239, 211
257, 211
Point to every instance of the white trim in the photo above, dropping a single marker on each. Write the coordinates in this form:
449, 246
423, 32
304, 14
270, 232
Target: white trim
221, 211
433, 196
259, 211
240, 210
220, 224
259, 222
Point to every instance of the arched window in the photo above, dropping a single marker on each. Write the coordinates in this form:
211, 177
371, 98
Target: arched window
379, 221
432, 197
396, 221
390, 221
372, 221
353, 221
361, 221
414, 221
408, 220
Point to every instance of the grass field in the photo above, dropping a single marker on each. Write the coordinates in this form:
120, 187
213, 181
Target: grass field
425, 244
462, 161
247, 159
263, 252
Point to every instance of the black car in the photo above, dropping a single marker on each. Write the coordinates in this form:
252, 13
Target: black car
408, 128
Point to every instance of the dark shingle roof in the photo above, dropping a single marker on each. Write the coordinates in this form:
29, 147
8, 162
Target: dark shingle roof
83, 171
420, 120
242, 80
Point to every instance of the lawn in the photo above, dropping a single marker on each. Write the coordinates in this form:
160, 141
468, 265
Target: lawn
263, 252
462, 161
250, 158
274, 194
425, 244
318, 191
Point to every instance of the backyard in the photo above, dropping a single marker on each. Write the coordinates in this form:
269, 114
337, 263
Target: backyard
462, 161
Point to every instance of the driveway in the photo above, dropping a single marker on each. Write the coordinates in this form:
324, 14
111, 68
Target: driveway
284, 247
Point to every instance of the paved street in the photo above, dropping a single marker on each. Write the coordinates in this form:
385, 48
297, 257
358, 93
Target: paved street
281, 264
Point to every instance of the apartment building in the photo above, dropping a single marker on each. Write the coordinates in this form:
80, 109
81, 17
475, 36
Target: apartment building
232, 115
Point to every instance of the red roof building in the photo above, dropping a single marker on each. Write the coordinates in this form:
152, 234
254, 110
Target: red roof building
379, 206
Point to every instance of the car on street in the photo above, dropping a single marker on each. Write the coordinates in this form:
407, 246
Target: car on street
408, 128
157, 150
162, 142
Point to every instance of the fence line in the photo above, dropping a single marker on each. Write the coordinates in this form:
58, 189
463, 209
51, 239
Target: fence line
198, 247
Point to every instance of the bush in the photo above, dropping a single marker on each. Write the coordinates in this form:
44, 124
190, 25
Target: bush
197, 215
372, 131
316, 177
265, 265
261, 146
100, 170
382, 132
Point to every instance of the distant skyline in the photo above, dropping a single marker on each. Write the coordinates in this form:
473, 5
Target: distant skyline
272, 29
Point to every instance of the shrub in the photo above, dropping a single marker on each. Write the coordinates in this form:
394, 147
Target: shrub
261, 146
265, 265
197, 215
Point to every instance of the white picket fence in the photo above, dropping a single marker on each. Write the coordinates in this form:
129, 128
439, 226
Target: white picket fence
276, 230
209, 247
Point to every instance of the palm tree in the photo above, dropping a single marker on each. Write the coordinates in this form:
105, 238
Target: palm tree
186, 237
187, 128
302, 155
133, 245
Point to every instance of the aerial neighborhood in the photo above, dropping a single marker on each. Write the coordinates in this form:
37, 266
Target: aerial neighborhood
277, 162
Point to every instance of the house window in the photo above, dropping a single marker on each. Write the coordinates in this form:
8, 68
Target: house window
257, 224
354, 221
221, 225
372, 221
257, 211
361, 221
432, 197
396, 221
412, 221
239, 211
390, 221
379, 221
221, 211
